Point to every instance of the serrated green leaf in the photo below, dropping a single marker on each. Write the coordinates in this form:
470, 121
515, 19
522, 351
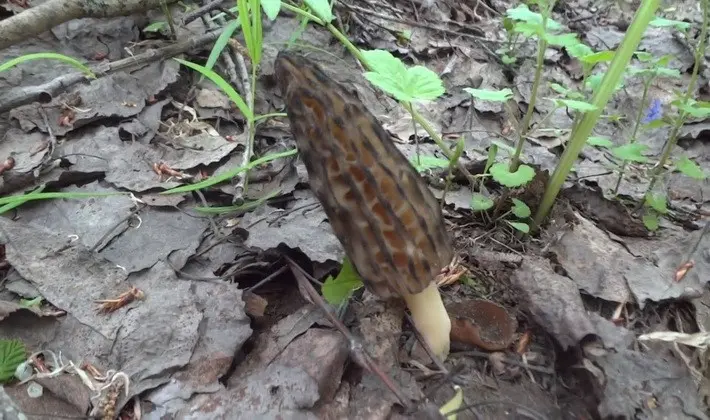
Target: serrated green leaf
523, 227
480, 202
503, 176
428, 162
12, 353
600, 142
689, 168
424, 84
631, 152
501, 95
389, 73
520, 209
337, 290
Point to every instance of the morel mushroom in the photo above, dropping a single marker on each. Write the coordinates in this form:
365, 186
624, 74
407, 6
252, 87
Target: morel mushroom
381, 210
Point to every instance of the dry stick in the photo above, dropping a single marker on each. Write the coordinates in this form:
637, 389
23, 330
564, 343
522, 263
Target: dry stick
43, 93
215, 5
357, 351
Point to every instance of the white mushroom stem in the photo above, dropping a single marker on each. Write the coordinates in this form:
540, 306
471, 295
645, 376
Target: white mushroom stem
431, 319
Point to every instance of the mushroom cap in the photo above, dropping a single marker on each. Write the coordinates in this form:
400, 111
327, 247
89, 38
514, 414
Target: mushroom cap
381, 210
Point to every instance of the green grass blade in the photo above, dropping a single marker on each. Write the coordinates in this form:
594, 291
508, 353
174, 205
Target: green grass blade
231, 174
243, 207
222, 84
48, 56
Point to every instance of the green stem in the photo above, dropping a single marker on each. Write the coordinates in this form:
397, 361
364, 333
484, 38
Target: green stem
525, 125
637, 124
582, 130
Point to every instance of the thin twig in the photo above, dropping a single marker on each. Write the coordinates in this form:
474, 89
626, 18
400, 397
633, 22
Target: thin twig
357, 351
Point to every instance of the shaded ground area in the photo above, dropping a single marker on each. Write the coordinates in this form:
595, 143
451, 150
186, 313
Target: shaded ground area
206, 337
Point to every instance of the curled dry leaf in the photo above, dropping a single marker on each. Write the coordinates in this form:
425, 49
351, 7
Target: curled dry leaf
481, 323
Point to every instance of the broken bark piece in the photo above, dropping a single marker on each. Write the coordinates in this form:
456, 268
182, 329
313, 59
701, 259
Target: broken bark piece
381, 210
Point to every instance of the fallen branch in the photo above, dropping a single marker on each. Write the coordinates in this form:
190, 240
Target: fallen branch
45, 92
46, 16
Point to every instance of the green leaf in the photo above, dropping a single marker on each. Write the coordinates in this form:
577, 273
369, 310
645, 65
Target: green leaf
562, 40
524, 14
520, 209
528, 29
424, 83
689, 168
523, 227
643, 56
271, 8
507, 59
656, 201
579, 50
453, 405
389, 73
222, 84
598, 57
575, 105
503, 176
12, 353
651, 221
600, 142
480, 202
654, 72
425, 163
502, 95
31, 303
631, 152
156, 26
660, 22
337, 290
697, 109
321, 8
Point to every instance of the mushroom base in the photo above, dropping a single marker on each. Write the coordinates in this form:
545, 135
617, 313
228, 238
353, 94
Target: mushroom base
431, 319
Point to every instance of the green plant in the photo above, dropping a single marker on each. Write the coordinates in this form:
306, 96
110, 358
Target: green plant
12, 354
337, 290
585, 122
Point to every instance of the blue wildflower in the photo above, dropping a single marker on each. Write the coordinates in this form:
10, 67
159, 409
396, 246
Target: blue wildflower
654, 111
